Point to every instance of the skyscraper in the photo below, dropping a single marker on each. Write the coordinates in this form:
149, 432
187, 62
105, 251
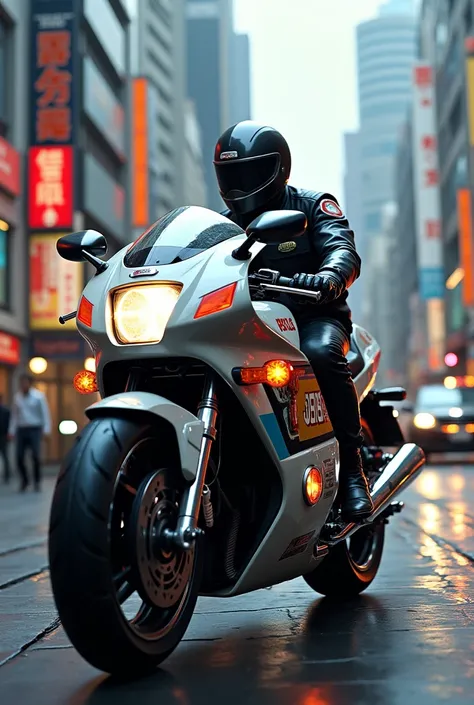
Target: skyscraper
218, 77
386, 49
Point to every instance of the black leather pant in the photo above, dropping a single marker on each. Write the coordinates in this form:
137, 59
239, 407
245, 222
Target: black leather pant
325, 343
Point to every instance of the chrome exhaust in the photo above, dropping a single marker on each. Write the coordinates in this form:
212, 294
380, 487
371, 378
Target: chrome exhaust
404, 467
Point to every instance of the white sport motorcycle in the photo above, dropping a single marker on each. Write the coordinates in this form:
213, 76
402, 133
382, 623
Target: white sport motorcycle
209, 466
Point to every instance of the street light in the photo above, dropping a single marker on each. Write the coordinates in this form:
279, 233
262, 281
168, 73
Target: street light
38, 365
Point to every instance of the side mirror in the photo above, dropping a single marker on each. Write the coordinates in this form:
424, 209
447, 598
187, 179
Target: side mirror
86, 245
272, 227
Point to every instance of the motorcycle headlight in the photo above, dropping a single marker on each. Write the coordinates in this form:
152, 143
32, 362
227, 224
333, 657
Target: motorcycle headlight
141, 313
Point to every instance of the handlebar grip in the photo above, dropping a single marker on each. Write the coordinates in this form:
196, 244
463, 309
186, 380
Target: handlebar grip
284, 281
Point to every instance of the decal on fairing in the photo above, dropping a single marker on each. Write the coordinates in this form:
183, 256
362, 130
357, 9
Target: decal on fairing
300, 412
285, 324
297, 546
313, 419
329, 477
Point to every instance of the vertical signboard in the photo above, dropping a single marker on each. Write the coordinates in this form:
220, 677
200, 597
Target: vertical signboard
55, 284
140, 185
50, 187
427, 193
53, 87
428, 210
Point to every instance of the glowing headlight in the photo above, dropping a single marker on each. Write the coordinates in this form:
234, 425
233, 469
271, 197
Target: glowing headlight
141, 313
424, 421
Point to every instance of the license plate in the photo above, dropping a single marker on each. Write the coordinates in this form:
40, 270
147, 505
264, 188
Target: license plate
461, 437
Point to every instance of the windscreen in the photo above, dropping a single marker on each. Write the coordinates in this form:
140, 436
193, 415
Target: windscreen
438, 396
180, 235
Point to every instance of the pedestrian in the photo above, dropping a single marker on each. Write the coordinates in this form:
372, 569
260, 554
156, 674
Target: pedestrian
30, 421
4, 426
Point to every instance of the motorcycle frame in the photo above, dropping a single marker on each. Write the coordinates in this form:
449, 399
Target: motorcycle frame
290, 546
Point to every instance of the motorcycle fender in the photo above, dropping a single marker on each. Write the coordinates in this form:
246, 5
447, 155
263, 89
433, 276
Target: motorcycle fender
188, 428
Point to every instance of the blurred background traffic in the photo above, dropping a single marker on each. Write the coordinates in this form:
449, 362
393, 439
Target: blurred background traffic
109, 112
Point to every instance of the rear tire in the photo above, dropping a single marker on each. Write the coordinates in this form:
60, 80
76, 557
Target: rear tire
351, 565
94, 531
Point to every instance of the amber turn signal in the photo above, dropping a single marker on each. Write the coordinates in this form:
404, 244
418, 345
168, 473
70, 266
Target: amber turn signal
312, 485
276, 373
85, 382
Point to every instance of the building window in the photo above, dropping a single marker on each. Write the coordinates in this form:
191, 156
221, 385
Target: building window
108, 31
380, 149
373, 221
384, 109
4, 268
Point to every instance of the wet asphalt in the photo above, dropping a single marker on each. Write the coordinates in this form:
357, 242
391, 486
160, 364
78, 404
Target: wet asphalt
408, 640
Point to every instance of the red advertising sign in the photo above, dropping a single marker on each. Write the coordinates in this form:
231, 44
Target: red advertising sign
9, 349
50, 187
9, 168
53, 74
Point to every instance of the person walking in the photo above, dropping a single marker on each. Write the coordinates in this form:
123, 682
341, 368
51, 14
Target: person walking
30, 421
4, 426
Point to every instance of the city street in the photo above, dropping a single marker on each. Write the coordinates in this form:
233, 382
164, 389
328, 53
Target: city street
408, 640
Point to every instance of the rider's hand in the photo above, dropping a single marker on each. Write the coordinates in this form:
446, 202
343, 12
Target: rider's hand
327, 283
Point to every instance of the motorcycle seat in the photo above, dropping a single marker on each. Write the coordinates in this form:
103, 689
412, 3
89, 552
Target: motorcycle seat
355, 359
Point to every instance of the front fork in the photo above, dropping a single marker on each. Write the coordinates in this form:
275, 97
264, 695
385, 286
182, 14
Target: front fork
187, 530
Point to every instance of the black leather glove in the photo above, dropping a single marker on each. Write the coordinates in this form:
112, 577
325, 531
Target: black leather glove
329, 284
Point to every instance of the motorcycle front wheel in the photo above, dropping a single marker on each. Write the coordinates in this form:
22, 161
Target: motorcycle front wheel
124, 596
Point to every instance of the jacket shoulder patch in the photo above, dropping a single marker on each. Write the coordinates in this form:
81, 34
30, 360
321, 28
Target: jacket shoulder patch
330, 207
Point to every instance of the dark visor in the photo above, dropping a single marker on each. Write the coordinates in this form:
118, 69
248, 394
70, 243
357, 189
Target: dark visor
245, 176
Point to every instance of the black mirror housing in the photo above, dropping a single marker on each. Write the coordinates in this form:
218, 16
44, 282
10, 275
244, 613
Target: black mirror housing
73, 247
274, 227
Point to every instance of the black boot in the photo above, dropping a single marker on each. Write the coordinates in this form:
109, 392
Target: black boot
356, 502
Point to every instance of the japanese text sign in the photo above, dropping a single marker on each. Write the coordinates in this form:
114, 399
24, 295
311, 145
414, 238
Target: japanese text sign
52, 78
50, 187
427, 192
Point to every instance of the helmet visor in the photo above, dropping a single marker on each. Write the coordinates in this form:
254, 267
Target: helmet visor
243, 177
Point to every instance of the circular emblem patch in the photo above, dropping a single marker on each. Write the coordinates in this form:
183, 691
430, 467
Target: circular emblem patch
331, 208
287, 246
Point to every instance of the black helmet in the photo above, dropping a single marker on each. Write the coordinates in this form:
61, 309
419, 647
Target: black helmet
252, 164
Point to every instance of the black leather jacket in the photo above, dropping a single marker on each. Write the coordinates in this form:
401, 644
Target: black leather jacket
327, 244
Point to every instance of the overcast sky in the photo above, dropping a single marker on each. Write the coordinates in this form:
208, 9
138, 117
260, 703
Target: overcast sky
304, 78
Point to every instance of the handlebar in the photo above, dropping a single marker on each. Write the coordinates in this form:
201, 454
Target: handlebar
270, 280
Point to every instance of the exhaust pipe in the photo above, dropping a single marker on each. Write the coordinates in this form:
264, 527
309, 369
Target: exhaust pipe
404, 467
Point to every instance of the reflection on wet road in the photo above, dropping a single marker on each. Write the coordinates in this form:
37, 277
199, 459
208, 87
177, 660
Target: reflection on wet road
408, 640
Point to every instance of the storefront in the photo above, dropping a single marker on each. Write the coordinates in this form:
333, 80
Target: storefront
10, 355
54, 361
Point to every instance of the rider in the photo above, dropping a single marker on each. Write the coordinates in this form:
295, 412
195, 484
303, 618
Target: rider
252, 164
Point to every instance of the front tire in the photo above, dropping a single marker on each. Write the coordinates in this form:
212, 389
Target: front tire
109, 502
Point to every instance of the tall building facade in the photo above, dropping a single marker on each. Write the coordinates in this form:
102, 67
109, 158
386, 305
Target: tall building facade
446, 40
158, 54
218, 77
78, 176
353, 209
386, 48
240, 98
14, 53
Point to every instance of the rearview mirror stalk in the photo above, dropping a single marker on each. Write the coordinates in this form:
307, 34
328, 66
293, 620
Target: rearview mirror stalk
99, 264
242, 252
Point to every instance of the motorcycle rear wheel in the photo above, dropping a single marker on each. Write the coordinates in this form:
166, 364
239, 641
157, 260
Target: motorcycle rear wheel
109, 505
351, 565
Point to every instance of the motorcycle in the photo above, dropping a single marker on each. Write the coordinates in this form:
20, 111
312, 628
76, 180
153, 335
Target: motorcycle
209, 465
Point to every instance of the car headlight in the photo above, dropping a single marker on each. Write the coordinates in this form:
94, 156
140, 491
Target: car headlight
424, 421
141, 313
